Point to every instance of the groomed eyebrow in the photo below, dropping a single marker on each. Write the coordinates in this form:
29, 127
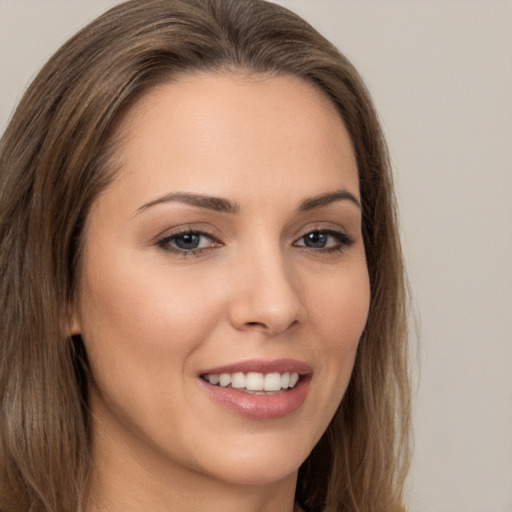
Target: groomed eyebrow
217, 204
222, 205
325, 199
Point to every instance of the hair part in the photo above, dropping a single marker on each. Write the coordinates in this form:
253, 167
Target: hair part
57, 155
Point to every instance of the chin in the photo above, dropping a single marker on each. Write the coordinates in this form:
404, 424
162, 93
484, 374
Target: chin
260, 472
262, 459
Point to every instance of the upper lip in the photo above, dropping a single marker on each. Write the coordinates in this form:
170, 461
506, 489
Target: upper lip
262, 366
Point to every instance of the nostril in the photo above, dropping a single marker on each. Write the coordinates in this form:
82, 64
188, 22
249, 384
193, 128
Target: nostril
257, 326
271, 328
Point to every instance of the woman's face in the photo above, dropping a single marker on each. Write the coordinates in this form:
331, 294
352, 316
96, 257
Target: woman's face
225, 256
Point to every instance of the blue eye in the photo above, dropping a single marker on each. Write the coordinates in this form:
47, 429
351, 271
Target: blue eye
325, 240
188, 242
316, 240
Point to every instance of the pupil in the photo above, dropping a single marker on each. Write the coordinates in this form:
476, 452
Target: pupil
187, 241
317, 240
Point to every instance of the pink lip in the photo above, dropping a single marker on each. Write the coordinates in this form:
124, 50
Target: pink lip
265, 406
262, 366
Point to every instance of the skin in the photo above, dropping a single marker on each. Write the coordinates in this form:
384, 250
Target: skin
152, 319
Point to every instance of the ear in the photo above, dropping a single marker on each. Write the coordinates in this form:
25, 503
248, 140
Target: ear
74, 328
73, 321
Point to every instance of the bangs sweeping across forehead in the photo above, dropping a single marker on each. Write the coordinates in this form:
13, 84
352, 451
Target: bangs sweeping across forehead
56, 156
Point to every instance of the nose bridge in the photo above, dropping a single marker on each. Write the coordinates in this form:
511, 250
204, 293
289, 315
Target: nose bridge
267, 295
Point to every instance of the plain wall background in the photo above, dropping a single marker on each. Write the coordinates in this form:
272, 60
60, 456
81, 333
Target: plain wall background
441, 76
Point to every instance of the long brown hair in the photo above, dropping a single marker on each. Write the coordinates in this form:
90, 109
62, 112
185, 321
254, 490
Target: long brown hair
58, 153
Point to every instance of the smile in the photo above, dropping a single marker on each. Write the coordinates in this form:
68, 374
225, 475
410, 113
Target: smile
254, 382
259, 389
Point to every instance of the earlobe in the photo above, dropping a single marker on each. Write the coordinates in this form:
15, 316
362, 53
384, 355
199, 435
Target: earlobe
73, 323
74, 328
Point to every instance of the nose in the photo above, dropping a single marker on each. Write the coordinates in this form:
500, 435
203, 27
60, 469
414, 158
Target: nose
266, 295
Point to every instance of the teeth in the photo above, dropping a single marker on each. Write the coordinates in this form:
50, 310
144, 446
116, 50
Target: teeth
254, 381
225, 379
237, 380
272, 382
214, 379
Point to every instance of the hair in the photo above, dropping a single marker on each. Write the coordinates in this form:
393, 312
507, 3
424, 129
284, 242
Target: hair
58, 154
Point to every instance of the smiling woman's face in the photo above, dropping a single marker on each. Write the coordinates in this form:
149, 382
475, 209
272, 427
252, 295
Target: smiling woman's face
228, 248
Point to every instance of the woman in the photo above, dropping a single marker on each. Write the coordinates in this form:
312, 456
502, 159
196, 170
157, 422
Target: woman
201, 275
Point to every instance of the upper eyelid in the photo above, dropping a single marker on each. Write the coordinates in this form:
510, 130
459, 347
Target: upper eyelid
189, 228
341, 242
330, 232
172, 235
212, 232
325, 226
165, 243
200, 231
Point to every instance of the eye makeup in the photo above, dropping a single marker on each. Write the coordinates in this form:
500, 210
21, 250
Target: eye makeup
192, 242
188, 242
325, 240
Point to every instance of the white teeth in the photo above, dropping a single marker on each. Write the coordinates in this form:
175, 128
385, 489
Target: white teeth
238, 380
254, 381
272, 382
214, 378
225, 379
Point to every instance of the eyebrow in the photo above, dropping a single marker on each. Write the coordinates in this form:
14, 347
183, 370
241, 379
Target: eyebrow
325, 199
217, 204
222, 205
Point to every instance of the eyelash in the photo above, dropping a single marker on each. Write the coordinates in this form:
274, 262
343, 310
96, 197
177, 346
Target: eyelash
343, 241
165, 243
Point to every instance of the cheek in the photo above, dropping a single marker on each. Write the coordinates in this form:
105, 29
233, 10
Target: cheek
142, 327
338, 319
341, 309
142, 320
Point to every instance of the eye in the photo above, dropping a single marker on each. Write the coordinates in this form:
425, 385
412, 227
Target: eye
325, 240
188, 242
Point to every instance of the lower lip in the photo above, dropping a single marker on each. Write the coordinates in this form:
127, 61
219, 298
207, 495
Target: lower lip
260, 407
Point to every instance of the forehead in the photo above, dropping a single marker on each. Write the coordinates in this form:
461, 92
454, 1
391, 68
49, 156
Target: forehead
225, 133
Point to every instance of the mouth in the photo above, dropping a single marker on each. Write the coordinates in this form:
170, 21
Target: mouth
257, 383
259, 389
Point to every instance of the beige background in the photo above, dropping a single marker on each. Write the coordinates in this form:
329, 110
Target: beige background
441, 76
